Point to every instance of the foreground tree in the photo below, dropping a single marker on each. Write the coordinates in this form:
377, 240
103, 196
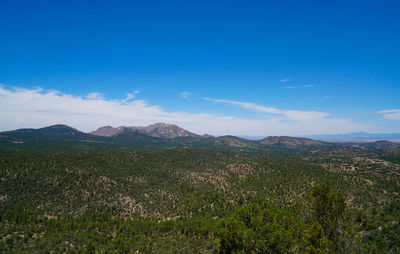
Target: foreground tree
319, 224
260, 229
267, 229
327, 208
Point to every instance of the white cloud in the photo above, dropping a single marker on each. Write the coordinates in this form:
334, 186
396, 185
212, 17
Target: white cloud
95, 96
284, 80
130, 96
303, 86
33, 108
185, 95
392, 114
299, 122
291, 114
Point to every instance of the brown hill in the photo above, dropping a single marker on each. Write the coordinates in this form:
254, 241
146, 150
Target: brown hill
290, 141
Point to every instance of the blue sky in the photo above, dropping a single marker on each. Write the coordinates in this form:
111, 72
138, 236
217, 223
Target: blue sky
218, 67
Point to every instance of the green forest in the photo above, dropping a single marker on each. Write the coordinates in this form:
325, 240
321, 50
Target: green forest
200, 201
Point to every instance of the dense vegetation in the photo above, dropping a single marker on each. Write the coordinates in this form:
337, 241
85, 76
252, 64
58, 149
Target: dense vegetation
187, 200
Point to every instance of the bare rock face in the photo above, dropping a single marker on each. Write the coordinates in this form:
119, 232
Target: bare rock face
163, 130
107, 131
160, 130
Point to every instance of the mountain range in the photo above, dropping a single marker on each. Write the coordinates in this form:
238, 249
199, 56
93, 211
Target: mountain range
160, 130
357, 137
58, 138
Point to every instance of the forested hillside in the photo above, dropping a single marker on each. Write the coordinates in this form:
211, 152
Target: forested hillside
180, 200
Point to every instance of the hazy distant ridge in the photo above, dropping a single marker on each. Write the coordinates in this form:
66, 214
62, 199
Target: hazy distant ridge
357, 136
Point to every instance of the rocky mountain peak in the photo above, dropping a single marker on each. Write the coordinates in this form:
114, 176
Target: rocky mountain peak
161, 130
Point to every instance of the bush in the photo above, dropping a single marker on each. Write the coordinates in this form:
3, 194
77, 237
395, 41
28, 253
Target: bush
260, 229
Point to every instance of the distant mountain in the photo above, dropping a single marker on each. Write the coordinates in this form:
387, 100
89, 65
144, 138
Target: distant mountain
381, 145
232, 141
291, 141
251, 137
56, 138
357, 137
59, 138
58, 129
107, 131
163, 130
160, 130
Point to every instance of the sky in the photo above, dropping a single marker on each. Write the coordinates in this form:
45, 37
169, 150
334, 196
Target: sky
254, 68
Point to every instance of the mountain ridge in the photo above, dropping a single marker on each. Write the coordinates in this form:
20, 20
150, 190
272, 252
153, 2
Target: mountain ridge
160, 130
58, 138
291, 141
57, 129
356, 136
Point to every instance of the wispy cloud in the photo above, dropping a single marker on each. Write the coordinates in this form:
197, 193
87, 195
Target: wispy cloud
301, 121
185, 95
129, 97
291, 114
23, 108
284, 80
95, 96
392, 114
303, 86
